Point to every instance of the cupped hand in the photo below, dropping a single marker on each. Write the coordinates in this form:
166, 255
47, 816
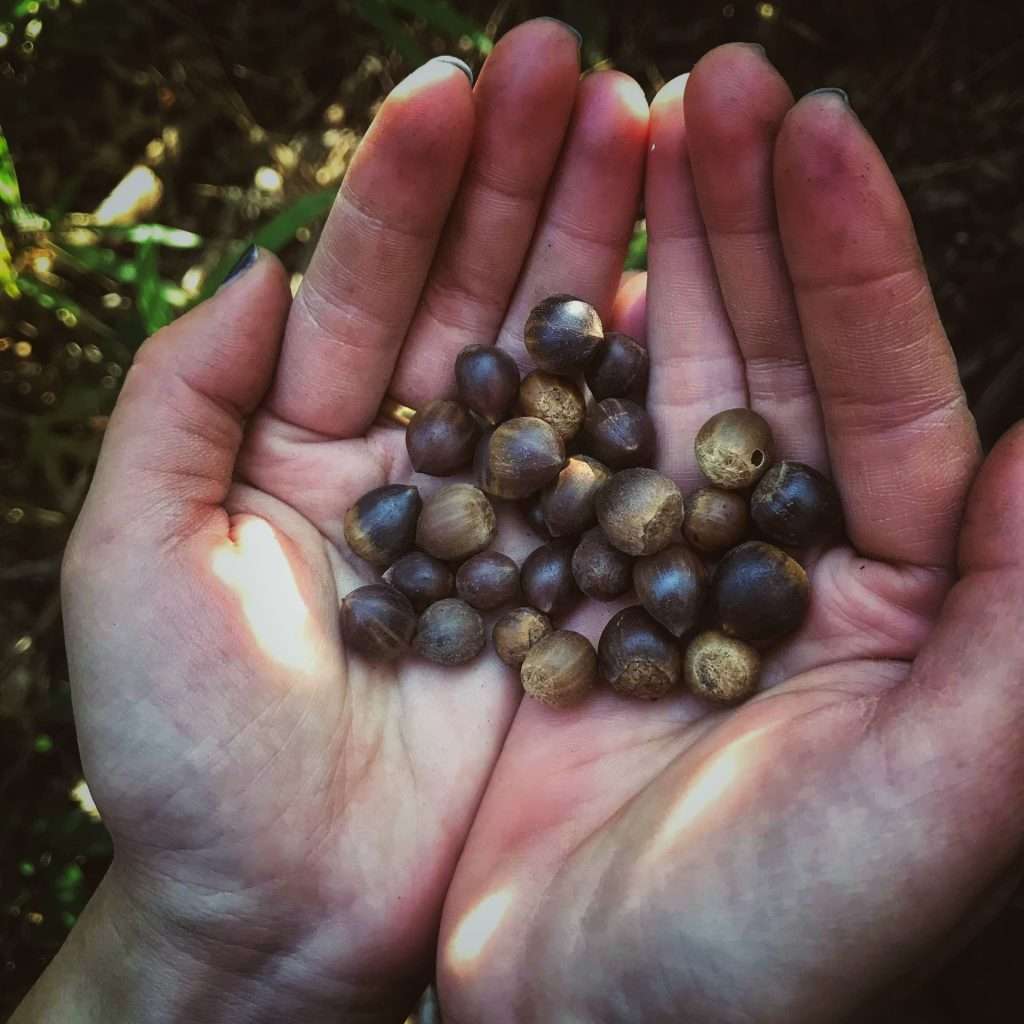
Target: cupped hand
283, 814
786, 860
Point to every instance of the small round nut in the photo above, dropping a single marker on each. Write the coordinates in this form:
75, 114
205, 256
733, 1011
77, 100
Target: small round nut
568, 501
721, 668
381, 525
516, 632
378, 622
456, 522
556, 400
488, 580
796, 505
547, 580
715, 520
734, 448
672, 585
562, 333
618, 368
638, 656
520, 457
422, 578
640, 511
487, 379
601, 570
619, 433
560, 669
441, 438
450, 633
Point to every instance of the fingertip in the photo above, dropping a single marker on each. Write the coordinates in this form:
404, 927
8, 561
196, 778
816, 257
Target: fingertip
668, 100
619, 99
444, 71
629, 311
541, 32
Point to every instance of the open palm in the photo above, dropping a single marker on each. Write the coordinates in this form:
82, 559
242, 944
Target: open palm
786, 860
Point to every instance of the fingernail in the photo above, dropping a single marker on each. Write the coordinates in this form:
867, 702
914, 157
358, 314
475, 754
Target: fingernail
245, 261
832, 91
575, 31
460, 64
757, 48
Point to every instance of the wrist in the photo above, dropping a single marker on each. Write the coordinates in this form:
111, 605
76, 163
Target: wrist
127, 960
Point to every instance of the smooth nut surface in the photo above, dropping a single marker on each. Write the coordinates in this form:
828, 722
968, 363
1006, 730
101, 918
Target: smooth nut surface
562, 333
796, 505
441, 438
378, 622
516, 632
715, 519
560, 669
619, 433
488, 580
381, 525
450, 633
533, 513
456, 522
568, 501
422, 578
640, 511
601, 570
639, 657
721, 668
547, 580
734, 448
487, 379
556, 400
618, 368
520, 457
672, 585
760, 594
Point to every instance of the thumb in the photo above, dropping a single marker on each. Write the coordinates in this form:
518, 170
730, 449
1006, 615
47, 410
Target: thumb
170, 448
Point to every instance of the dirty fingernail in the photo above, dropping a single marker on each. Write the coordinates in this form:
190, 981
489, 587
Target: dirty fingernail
457, 63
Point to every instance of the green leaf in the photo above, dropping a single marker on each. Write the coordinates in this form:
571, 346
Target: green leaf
157, 234
636, 257
393, 31
10, 193
444, 18
154, 309
24, 8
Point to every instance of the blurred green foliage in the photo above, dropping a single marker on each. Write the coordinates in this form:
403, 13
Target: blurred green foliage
145, 144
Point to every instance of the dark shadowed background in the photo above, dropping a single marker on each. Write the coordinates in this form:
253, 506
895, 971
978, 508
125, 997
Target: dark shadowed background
143, 144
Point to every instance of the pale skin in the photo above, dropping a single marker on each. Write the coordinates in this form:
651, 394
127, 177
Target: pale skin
297, 833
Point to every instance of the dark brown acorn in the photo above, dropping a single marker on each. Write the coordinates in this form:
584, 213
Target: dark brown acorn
640, 511
638, 656
556, 400
381, 525
796, 505
487, 379
672, 586
562, 333
601, 571
488, 580
715, 520
619, 433
734, 448
450, 633
378, 622
421, 578
533, 513
560, 669
516, 632
456, 522
547, 581
520, 457
760, 594
618, 368
568, 501
721, 668
441, 438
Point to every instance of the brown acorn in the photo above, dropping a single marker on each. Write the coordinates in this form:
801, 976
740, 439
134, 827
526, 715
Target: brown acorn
450, 633
601, 571
640, 511
560, 669
760, 594
487, 379
562, 333
568, 501
520, 457
378, 622
421, 578
734, 448
715, 520
556, 400
456, 522
796, 505
619, 433
618, 368
672, 585
638, 656
547, 580
488, 580
721, 668
533, 513
516, 632
441, 438
381, 525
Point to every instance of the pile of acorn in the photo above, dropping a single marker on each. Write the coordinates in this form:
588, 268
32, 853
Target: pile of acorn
576, 452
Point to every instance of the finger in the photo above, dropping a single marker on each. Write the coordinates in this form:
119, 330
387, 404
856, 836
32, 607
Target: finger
901, 438
588, 217
696, 365
169, 450
735, 105
523, 102
360, 292
629, 311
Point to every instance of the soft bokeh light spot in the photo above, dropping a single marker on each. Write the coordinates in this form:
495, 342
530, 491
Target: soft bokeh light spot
476, 929
135, 195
